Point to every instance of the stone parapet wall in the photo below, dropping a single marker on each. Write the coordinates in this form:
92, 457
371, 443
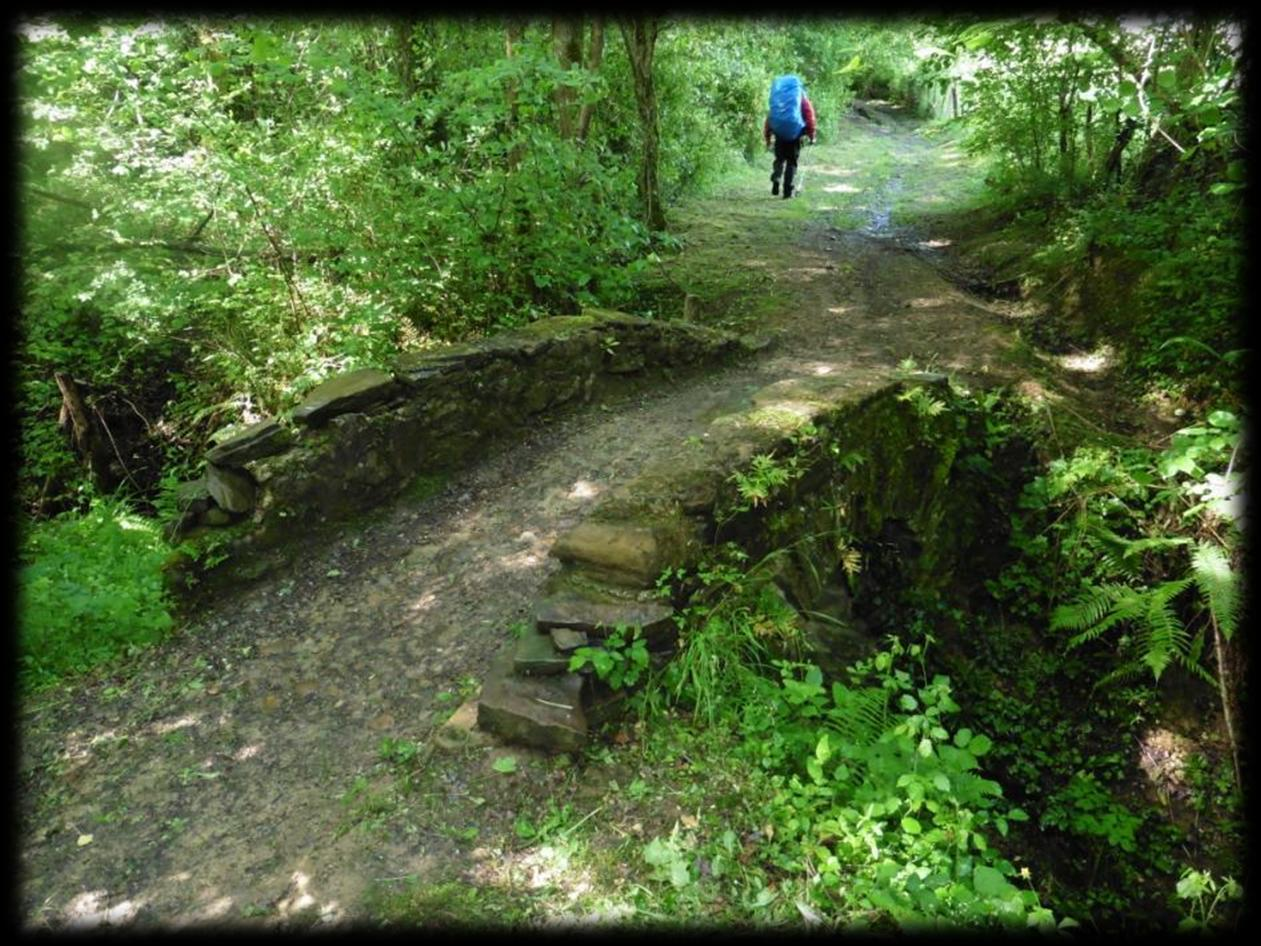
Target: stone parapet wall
360, 438
871, 463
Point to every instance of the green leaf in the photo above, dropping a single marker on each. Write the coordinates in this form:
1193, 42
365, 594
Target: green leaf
505, 763
963, 737
911, 825
979, 745
679, 875
988, 882
1224, 419
823, 751
657, 852
1193, 885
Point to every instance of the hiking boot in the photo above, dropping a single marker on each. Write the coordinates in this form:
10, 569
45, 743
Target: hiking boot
774, 188
788, 191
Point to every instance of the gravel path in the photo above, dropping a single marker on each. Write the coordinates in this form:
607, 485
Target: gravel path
204, 782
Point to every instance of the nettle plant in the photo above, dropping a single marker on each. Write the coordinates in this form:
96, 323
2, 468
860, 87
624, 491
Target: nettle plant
877, 810
881, 803
619, 662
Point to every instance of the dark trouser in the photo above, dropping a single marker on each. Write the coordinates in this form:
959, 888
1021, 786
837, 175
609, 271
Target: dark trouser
786, 153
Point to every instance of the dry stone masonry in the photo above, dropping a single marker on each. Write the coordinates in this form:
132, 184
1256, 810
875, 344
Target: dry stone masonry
361, 437
875, 467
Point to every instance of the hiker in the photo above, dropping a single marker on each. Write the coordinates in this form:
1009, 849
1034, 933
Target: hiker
790, 117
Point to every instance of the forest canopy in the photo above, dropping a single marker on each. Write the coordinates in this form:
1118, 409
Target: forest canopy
217, 213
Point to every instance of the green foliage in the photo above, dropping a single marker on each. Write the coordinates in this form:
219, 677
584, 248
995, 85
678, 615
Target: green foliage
1135, 554
619, 662
1085, 807
877, 812
400, 752
1187, 245
1103, 514
1206, 900
765, 476
253, 205
89, 589
925, 405
1125, 133
735, 623
1112, 526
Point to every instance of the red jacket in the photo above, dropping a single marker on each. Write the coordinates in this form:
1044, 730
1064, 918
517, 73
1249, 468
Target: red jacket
807, 114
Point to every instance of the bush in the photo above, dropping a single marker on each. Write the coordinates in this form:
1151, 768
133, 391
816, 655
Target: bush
89, 588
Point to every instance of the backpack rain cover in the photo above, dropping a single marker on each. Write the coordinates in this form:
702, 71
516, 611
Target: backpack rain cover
785, 108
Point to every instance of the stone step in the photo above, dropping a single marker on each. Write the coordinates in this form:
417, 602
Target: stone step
542, 711
537, 655
597, 617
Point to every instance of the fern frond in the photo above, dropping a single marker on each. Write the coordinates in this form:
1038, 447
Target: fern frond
1089, 608
1128, 610
1127, 671
1190, 660
1153, 544
858, 716
1219, 586
1110, 563
1161, 635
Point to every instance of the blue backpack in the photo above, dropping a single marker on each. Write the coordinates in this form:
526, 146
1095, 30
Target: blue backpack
785, 108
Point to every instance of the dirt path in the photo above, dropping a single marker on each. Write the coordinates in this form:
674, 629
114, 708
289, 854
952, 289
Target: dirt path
209, 781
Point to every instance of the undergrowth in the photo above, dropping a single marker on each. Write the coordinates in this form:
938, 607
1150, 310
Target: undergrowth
90, 589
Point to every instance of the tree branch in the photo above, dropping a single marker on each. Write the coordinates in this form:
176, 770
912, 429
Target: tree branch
62, 198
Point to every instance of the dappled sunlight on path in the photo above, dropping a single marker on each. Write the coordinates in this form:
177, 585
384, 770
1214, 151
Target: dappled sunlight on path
214, 781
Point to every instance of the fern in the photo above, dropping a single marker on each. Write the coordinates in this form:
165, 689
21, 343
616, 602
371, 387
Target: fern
859, 717
1161, 634
1097, 610
1219, 586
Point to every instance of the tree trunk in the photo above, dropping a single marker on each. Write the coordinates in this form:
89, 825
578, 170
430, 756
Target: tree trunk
1112, 166
594, 59
406, 60
87, 439
640, 35
1090, 137
515, 33
567, 45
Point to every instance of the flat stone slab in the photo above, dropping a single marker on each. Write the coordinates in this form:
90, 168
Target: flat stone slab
231, 488
348, 392
618, 546
263, 439
598, 618
545, 712
536, 655
566, 640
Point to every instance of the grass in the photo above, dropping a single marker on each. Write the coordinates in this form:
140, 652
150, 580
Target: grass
649, 831
737, 241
